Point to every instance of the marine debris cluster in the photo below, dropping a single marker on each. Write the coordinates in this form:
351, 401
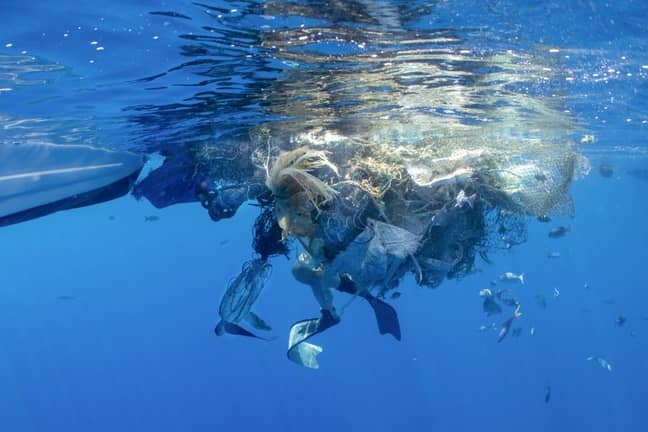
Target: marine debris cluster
366, 213
411, 163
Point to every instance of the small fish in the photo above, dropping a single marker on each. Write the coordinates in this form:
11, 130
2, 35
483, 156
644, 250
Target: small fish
486, 292
532, 331
505, 329
543, 218
586, 285
152, 218
553, 255
65, 297
559, 231
556, 292
601, 362
506, 325
620, 321
547, 396
606, 170
111, 218
512, 277
223, 242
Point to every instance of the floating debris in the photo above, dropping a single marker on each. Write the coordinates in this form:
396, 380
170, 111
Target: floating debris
512, 277
601, 362
543, 218
111, 218
151, 218
553, 255
620, 321
556, 292
587, 139
532, 331
463, 200
559, 231
547, 396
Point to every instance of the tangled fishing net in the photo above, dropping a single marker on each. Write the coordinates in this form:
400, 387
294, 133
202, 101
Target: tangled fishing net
373, 185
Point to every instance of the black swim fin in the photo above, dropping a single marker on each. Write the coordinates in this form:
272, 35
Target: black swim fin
386, 316
234, 329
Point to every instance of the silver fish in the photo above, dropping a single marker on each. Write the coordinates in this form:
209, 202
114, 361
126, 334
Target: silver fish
506, 325
559, 231
512, 277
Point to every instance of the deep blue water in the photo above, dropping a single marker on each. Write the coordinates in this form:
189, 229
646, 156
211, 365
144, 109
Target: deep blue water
107, 323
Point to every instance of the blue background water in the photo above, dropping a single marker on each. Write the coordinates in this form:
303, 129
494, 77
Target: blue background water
133, 348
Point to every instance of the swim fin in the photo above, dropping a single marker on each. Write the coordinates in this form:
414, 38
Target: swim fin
302, 352
234, 329
386, 316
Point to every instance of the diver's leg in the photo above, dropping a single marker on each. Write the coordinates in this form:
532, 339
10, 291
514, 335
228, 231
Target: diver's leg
306, 272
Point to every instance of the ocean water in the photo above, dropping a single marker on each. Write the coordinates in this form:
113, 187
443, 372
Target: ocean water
107, 320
